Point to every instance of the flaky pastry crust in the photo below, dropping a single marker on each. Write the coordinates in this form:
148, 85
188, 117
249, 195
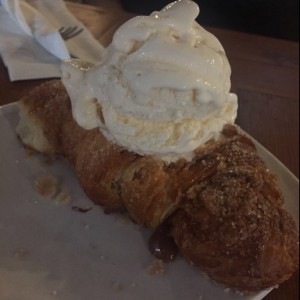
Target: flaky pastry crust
224, 207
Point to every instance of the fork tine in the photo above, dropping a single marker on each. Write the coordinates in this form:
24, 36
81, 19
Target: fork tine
64, 31
69, 32
75, 33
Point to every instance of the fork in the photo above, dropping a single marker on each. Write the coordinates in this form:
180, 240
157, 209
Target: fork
69, 32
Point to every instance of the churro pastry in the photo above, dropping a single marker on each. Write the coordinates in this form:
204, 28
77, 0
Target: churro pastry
151, 131
224, 207
232, 222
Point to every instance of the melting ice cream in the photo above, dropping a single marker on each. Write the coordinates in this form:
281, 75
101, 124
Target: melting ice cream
163, 88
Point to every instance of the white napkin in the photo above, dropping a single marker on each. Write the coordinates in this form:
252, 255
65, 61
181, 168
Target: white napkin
30, 43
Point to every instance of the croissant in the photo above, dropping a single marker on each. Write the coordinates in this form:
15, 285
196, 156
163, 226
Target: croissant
224, 208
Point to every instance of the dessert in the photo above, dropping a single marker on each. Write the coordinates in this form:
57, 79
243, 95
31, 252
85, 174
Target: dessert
151, 131
163, 88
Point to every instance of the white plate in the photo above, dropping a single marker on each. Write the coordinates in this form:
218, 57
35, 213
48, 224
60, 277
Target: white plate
49, 251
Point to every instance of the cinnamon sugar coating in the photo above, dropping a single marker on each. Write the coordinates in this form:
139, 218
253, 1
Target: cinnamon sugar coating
224, 207
48, 105
232, 224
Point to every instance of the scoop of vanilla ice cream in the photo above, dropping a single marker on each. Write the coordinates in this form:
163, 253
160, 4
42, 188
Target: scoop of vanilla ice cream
163, 88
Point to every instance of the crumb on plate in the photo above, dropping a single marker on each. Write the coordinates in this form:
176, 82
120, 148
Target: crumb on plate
156, 268
63, 197
117, 287
46, 185
21, 253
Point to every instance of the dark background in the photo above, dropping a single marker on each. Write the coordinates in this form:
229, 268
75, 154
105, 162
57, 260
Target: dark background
278, 19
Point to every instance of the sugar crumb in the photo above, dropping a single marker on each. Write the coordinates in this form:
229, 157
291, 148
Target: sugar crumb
46, 185
117, 287
123, 219
156, 268
21, 253
63, 198
29, 152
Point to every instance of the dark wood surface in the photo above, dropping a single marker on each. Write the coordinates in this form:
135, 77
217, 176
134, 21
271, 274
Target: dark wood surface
265, 76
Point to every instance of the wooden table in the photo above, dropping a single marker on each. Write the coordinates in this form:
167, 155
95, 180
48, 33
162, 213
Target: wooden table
265, 75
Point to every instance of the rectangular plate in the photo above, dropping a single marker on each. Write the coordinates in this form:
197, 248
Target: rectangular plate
50, 251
